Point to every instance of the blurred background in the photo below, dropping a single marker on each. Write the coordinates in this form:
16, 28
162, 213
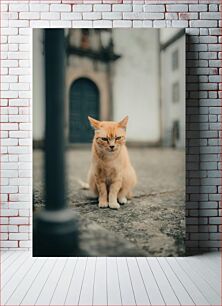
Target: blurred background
111, 73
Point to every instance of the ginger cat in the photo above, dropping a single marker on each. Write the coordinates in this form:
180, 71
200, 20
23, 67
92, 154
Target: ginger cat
111, 175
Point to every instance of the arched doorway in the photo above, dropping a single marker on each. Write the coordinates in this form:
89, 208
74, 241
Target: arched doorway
83, 102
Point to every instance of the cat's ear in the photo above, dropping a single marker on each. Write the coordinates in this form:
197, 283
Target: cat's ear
123, 122
94, 123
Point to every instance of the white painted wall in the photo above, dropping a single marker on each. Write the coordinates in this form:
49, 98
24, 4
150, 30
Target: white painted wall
167, 33
136, 82
173, 111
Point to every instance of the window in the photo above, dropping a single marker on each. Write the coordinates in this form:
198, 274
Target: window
175, 59
175, 92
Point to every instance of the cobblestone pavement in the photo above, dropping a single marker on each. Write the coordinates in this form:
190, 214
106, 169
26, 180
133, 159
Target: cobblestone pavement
152, 224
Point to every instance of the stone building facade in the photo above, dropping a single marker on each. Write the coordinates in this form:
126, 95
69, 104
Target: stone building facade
90, 56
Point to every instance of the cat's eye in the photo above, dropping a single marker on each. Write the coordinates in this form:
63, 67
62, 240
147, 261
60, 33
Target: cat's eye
104, 138
118, 138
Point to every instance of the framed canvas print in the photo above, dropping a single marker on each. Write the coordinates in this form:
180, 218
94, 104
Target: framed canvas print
109, 142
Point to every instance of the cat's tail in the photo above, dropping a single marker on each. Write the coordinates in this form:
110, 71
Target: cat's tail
83, 185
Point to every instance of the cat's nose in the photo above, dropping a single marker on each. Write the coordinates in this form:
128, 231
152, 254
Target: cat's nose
111, 147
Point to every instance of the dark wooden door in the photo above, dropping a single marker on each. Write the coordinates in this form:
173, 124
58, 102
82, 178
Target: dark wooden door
84, 102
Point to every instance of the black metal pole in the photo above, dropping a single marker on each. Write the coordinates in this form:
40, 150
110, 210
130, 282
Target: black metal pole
54, 133
55, 229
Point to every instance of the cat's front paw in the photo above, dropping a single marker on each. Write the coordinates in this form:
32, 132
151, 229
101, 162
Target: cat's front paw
114, 205
122, 200
103, 204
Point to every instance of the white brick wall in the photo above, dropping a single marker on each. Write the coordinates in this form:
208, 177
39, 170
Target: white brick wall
201, 19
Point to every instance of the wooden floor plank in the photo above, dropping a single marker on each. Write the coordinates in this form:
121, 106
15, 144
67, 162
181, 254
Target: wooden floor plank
38, 284
164, 285
211, 260
62, 288
187, 282
214, 280
75, 286
139, 288
12, 270
86, 294
152, 288
208, 292
113, 286
126, 289
9, 287
110, 281
47, 292
100, 283
181, 293
18, 295
213, 257
10, 261
4, 255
